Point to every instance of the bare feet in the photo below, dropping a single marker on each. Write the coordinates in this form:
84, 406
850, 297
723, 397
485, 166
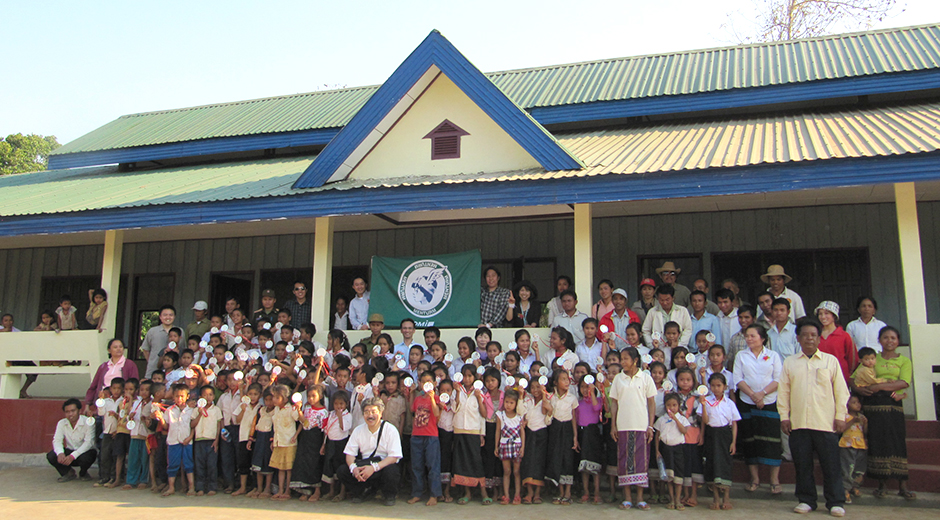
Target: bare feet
339, 497
315, 497
199, 494
264, 495
168, 492
141, 486
211, 493
431, 501
414, 500
239, 491
127, 487
253, 494
727, 506
303, 498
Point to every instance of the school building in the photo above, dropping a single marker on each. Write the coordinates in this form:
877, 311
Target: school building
822, 155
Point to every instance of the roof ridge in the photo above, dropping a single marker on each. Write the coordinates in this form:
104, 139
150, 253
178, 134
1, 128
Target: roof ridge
493, 75
839, 36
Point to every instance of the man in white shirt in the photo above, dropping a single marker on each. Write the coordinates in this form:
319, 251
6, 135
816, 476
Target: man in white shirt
562, 284
666, 311
73, 444
866, 329
407, 339
727, 315
372, 455
702, 319
778, 280
359, 306
571, 318
782, 334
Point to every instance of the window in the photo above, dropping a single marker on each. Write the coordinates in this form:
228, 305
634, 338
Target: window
690, 266
151, 291
445, 141
225, 286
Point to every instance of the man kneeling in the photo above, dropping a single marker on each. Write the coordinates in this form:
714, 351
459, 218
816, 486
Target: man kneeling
372, 455
73, 444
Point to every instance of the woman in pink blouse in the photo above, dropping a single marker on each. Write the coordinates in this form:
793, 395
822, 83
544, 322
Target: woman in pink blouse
117, 366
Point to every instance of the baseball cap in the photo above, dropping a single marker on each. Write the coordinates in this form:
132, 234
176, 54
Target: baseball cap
621, 292
200, 306
647, 281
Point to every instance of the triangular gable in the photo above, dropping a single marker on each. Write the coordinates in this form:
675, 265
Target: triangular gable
435, 55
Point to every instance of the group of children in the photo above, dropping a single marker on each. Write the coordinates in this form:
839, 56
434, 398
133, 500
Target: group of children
506, 421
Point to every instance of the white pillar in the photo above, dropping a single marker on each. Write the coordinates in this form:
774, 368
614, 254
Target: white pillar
583, 257
915, 299
111, 278
322, 274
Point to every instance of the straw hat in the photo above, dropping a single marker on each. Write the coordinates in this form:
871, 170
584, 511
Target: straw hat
668, 266
775, 270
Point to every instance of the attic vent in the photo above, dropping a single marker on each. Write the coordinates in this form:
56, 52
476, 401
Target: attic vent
445, 141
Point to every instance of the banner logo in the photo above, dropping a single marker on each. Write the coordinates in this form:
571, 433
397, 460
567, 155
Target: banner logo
425, 287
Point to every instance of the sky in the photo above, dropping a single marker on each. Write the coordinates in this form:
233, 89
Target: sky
71, 67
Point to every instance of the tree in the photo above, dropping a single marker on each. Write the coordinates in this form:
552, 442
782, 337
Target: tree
791, 19
25, 153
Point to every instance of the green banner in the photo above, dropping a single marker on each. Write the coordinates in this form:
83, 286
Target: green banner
438, 290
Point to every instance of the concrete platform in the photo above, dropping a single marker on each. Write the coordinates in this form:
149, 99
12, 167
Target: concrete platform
34, 493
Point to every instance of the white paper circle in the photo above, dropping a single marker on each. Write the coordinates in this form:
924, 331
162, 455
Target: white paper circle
229, 356
100, 402
268, 366
380, 376
266, 326
246, 399
458, 378
207, 348
523, 383
647, 359
201, 403
354, 363
224, 328
376, 350
90, 421
321, 352
401, 364
238, 340
481, 370
362, 388
253, 372
448, 358
600, 377
298, 362
428, 387
238, 376
513, 345
568, 365
399, 356
214, 330
121, 413
478, 385
296, 398
302, 374
499, 359
589, 379
203, 343
543, 380
445, 398
210, 377
702, 362
710, 337
276, 370
605, 329
702, 390
475, 356
254, 354
510, 381
690, 358
376, 381
409, 382
289, 348
171, 345
543, 371
243, 356
131, 425
269, 344
213, 361
189, 374
154, 407
667, 386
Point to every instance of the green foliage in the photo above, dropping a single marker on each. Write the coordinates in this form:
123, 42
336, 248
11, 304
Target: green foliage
147, 320
25, 153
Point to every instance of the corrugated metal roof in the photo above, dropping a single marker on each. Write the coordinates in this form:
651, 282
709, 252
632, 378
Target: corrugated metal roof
677, 146
841, 56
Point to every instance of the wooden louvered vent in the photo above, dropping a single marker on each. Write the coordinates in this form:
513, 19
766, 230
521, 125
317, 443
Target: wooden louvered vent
445, 140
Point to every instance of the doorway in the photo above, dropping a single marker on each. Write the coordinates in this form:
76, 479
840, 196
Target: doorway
225, 286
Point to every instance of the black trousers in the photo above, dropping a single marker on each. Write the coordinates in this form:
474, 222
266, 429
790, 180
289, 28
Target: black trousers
803, 444
83, 462
387, 479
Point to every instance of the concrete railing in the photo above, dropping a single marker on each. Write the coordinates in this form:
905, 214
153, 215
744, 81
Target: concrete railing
450, 337
47, 350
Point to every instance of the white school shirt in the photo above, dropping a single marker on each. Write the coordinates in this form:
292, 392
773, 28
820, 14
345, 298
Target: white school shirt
208, 427
535, 419
729, 379
356, 412
548, 357
244, 429
729, 325
228, 404
563, 407
446, 420
721, 412
796, 303
590, 355
79, 439
631, 394
669, 433
110, 422
525, 362
140, 414
865, 334
178, 424
758, 372
333, 431
467, 418
362, 442
784, 342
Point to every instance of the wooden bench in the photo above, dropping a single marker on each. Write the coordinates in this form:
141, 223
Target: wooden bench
89, 347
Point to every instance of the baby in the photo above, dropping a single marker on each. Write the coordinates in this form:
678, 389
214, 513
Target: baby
865, 373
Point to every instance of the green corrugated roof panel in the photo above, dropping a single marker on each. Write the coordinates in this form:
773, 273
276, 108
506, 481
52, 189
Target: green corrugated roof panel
842, 56
666, 147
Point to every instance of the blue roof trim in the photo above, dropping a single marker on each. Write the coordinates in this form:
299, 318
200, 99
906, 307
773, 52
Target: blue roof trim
436, 50
736, 98
603, 188
243, 143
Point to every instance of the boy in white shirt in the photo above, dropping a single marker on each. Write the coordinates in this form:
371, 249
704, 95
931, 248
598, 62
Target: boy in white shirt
179, 422
107, 404
208, 424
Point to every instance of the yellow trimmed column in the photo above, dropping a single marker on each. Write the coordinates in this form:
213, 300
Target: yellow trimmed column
111, 277
322, 274
915, 299
583, 257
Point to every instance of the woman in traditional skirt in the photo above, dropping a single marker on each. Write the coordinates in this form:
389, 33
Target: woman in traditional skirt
562, 438
756, 373
887, 433
338, 428
493, 402
538, 415
633, 406
590, 440
308, 464
720, 416
469, 432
